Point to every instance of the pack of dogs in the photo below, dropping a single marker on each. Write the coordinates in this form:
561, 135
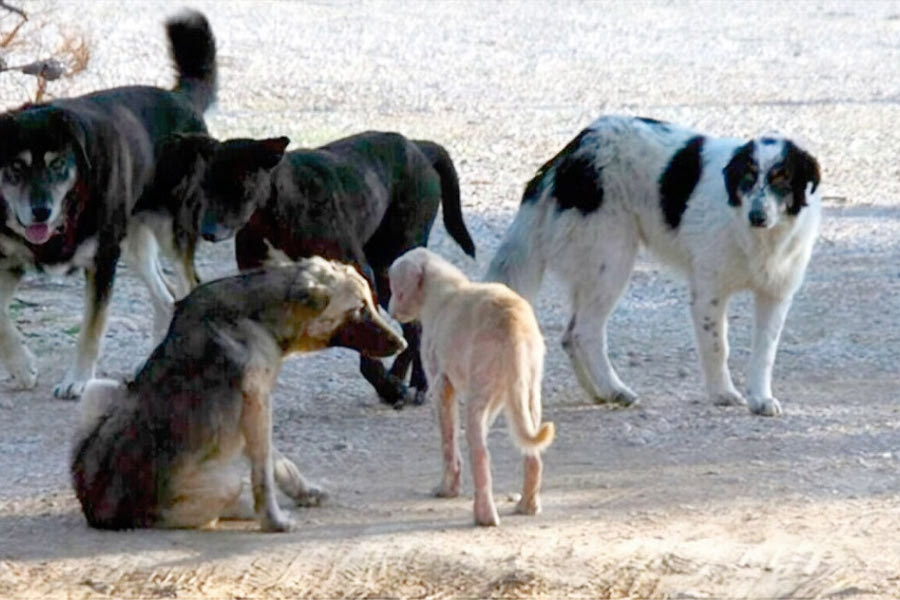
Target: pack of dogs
330, 243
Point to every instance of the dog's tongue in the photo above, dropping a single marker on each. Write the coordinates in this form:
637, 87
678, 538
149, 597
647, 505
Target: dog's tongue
38, 234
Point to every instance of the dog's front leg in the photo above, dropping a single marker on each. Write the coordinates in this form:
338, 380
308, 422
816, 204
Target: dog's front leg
98, 289
16, 357
256, 425
708, 310
769, 321
448, 420
293, 484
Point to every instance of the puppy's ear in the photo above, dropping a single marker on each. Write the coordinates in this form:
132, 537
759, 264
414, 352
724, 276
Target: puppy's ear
74, 133
737, 168
804, 169
268, 152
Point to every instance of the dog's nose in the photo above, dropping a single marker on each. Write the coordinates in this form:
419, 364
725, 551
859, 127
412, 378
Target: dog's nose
757, 218
40, 214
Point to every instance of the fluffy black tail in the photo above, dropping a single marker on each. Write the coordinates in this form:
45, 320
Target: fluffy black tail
450, 203
193, 49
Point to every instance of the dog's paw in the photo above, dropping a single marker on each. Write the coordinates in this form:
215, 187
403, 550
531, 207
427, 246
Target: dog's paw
528, 506
443, 490
766, 407
486, 514
70, 388
418, 396
23, 371
619, 397
729, 398
310, 497
278, 523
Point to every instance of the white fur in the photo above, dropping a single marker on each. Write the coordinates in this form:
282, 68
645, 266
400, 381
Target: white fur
714, 246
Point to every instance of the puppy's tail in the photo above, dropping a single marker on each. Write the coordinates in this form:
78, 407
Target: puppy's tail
193, 49
519, 262
450, 202
523, 407
528, 435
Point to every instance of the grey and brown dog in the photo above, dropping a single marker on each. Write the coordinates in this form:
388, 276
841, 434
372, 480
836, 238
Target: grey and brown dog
170, 448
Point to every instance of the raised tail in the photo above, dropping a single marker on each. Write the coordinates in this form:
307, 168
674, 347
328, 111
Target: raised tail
450, 202
193, 49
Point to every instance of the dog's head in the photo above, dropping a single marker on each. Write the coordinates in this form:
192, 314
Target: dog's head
236, 182
347, 315
768, 178
407, 280
42, 156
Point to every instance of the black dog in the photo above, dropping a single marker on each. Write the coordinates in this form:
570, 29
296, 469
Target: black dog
365, 199
70, 173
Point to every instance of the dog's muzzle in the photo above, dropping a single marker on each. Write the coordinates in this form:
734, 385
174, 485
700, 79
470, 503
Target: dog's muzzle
757, 218
370, 334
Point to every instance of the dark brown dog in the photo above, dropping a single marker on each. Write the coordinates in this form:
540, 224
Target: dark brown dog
170, 448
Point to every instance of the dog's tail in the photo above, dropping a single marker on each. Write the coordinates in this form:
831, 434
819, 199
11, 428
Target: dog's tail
450, 202
523, 405
193, 48
519, 262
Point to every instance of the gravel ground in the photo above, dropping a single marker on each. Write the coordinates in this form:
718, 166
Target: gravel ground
671, 499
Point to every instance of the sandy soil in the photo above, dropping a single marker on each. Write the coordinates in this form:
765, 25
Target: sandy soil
674, 498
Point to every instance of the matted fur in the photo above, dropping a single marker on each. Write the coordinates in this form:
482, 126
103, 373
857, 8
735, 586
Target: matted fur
480, 343
170, 449
730, 214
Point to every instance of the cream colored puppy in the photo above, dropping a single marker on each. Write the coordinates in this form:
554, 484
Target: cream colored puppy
480, 341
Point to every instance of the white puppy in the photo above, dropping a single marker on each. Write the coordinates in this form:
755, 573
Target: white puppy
730, 214
480, 341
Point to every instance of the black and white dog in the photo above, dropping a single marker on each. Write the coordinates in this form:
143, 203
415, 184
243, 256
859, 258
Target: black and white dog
70, 172
730, 214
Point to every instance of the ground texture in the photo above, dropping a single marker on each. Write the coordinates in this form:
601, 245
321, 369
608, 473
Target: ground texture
673, 498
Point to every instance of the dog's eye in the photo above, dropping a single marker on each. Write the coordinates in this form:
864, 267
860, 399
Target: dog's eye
779, 180
14, 171
748, 180
58, 166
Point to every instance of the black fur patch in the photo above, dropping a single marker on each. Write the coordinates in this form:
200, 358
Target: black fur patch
534, 187
741, 162
577, 184
804, 169
655, 123
678, 181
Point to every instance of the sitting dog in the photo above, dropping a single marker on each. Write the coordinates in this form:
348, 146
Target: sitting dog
480, 341
70, 172
169, 449
365, 199
731, 214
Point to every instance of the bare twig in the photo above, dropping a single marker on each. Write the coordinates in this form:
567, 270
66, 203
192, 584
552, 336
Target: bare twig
13, 9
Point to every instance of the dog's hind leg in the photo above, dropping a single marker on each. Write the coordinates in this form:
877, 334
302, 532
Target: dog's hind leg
204, 493
769, 321
594, 296
530, 503
293, 484
478, 419
142, 255
16, 357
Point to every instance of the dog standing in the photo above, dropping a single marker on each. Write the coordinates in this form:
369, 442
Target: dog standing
169, 449
731, 214
481, 342
364, 199
70, 172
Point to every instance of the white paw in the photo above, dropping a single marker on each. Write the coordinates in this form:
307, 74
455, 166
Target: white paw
729, 398
311, 496
22, 370
278, 522
71, 387
766, 407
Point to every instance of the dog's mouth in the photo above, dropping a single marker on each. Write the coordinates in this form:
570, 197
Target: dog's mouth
370, 334
39, 233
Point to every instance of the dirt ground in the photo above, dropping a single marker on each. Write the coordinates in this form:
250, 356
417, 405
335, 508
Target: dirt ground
673, 498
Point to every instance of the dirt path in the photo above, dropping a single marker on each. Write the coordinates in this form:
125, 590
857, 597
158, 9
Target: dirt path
673, 498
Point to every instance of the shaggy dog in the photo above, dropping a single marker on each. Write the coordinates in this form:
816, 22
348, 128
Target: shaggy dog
170, 448
365, 199
730, 214
70, 172
481, 342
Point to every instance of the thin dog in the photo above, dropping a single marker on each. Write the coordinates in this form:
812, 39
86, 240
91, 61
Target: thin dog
170, 448
730, 214
480, 342
70, 173
364, 199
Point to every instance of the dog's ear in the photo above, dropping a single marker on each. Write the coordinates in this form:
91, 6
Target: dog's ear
313, 296
74, 133
738, 167
804, 169
268, 152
